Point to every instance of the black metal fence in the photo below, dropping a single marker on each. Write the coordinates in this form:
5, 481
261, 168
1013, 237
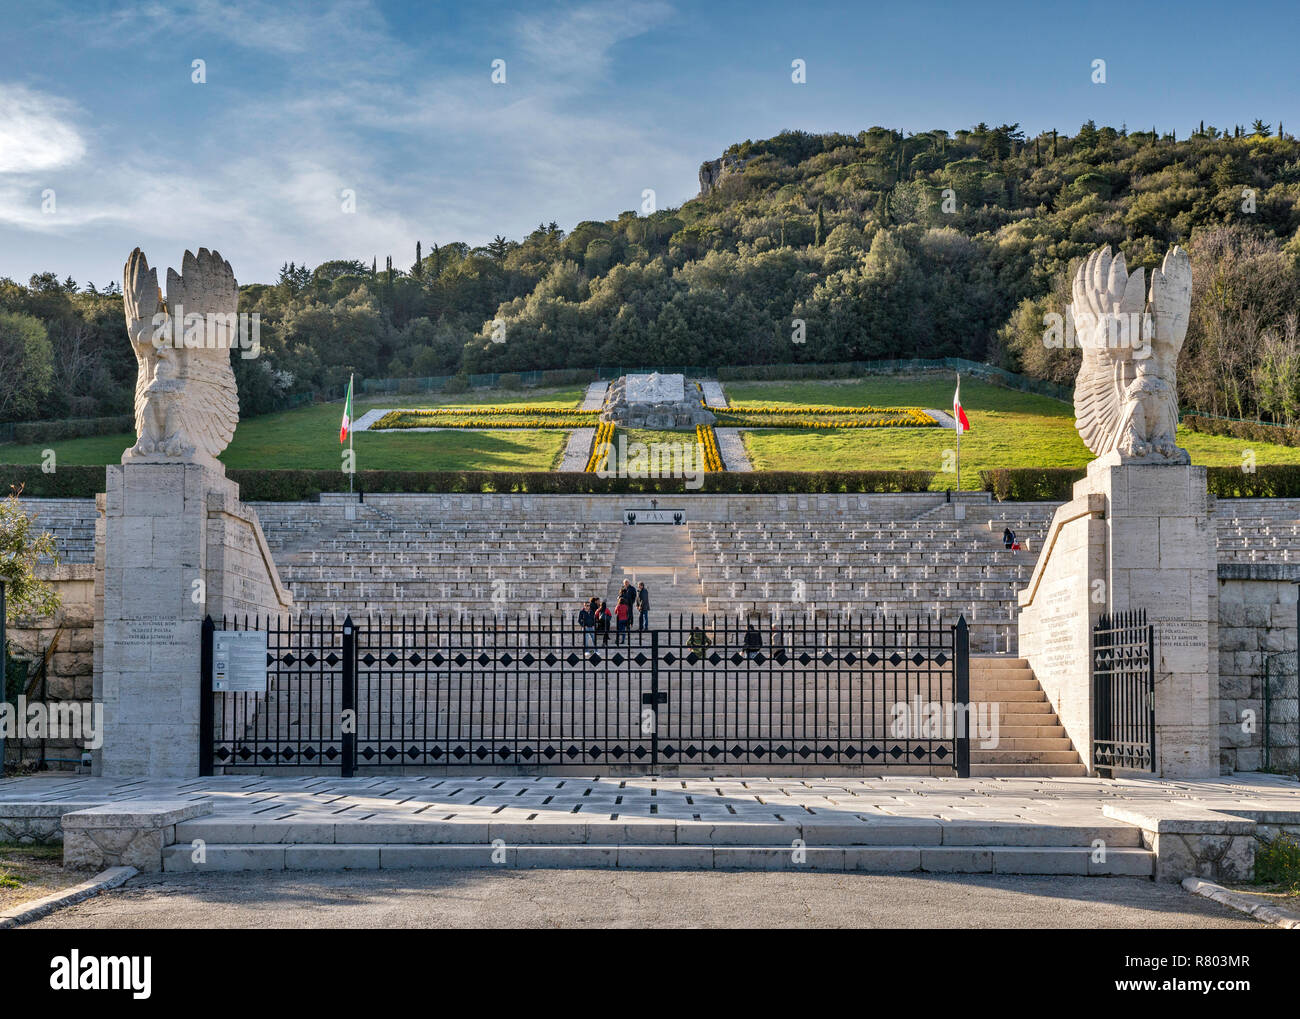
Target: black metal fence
535, 693
1123, 685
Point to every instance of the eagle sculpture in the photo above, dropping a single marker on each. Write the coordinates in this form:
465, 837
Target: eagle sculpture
186, 402
1126, 396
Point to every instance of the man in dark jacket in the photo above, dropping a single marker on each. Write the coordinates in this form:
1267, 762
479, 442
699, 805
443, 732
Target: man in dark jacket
643, 606
587, 620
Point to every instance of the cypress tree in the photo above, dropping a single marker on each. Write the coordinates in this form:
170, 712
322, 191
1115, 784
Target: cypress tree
821, 227
419, 267
1053, 143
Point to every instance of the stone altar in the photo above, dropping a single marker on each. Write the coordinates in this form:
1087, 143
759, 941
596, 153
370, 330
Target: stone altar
655, 401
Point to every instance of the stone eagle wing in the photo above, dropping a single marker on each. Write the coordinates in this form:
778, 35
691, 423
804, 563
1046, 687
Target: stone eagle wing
141, 300
1102, 290
206, 286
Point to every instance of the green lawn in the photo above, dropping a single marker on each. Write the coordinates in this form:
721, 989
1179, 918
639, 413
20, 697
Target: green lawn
649, 435
308, 437
1008, 429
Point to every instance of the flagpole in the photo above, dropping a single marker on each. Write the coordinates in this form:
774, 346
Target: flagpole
352, 456
957, 425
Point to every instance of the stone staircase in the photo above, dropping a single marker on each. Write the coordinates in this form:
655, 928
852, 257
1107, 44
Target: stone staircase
1031, 739
661, 556
603, 838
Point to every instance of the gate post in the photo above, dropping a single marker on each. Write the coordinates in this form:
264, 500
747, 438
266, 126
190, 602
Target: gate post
349, 700
206, 720
654, 697
961, 695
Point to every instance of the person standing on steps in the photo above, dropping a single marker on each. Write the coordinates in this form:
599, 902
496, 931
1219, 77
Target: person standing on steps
623, 616
587, 620
626, 596
642, 606
602, 621
753, 641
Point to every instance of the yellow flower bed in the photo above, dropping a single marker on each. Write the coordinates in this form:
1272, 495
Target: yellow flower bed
600, 447
705, 436
487, 417
825, 417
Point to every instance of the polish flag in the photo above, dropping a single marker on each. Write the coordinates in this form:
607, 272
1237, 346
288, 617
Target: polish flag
959, 415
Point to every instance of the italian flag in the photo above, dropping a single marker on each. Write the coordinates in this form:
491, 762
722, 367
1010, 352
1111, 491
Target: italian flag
959, 415
347, 414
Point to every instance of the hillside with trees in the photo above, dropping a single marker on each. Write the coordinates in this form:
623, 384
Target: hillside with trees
883, 244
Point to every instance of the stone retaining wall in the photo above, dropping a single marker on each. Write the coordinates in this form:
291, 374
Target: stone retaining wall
1257, 632
71, 673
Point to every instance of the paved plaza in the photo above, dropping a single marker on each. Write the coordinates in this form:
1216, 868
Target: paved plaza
576, 800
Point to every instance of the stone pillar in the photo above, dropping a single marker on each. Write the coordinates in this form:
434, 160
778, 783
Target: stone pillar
1135, 536
1161, 557
173, 544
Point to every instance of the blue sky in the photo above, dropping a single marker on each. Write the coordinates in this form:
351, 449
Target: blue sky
395, 102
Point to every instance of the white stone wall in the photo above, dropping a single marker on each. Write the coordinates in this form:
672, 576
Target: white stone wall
1057, 613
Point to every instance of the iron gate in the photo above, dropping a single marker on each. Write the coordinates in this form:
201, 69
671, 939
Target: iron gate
497, 691
1123, 692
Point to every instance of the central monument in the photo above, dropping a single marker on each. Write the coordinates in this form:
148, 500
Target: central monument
173, 541
654, 401
1138, 534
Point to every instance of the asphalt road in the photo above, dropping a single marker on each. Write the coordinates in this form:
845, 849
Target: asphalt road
602, 898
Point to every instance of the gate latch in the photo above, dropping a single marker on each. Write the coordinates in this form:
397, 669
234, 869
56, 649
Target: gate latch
655, 698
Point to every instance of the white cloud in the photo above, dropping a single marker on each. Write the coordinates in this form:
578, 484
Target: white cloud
35, 133
578, 40
432, 154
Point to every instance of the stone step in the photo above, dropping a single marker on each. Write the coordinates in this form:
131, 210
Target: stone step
977, 859
1004, 679
1018, 694
595, 826
1006, 755
1027, 770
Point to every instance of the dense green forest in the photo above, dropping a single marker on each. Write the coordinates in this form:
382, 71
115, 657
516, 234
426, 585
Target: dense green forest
883, 244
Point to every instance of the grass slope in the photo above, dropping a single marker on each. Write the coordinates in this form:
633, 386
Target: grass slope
308, 437
1008, 429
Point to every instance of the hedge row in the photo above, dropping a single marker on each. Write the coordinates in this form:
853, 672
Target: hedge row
1252, 431
289, 485
1031, 484
26, 432
1023, 484
1275, 481
1056, 484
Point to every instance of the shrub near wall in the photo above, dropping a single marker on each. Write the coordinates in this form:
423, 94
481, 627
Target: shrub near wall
1266, 481
71, 482
1031, 484
292, 486
1254, 431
